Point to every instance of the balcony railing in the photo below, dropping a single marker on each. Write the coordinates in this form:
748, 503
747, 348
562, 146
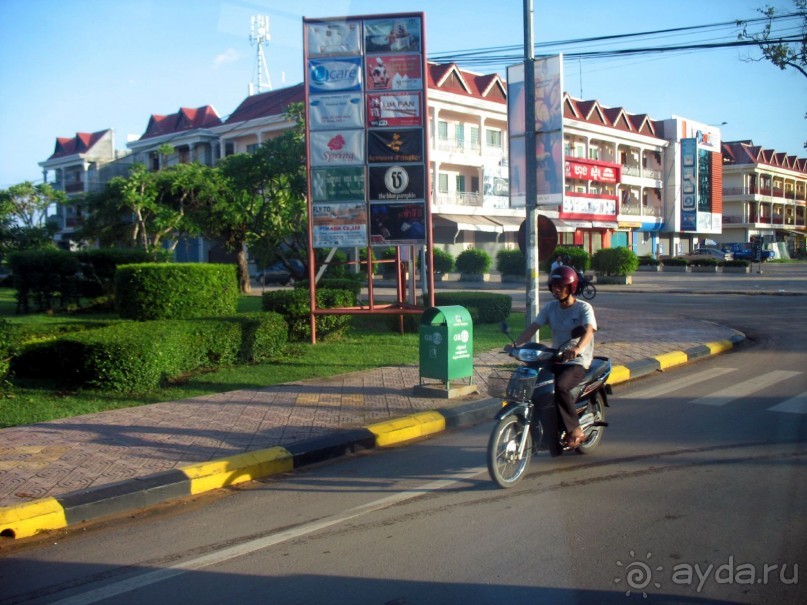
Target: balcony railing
460, 198
74, 187
639, 210
767, 191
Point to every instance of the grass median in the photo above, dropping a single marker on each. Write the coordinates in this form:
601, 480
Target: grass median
368, 343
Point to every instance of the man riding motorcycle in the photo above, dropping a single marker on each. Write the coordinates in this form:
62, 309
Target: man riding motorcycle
569, 319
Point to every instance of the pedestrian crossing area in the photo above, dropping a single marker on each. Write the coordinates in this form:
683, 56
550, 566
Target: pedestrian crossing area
743, 389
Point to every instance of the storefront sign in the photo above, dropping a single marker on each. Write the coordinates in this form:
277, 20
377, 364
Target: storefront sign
395, 145
591, 172
394, 110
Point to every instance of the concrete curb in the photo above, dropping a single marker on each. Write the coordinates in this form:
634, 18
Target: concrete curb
133, 495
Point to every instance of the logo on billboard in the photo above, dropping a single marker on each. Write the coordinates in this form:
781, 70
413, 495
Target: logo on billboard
393, 110
394, 72
397, 182
392, 35
329, 148
334, 38
401, 145
334, 75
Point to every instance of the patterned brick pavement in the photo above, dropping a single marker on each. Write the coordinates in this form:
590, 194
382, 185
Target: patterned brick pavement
63, 456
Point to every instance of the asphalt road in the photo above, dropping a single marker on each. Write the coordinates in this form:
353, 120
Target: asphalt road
696, 496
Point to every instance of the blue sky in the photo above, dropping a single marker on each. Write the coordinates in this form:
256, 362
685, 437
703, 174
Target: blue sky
88, 65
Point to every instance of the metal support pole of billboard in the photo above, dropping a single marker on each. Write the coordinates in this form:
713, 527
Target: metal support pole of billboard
531, 186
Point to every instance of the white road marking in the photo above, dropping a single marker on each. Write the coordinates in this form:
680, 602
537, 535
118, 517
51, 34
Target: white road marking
673, 385
214, 558
742, 389
795, 405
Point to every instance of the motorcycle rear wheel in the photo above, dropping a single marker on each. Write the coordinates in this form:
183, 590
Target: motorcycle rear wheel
595, 433
589, 291
506, 468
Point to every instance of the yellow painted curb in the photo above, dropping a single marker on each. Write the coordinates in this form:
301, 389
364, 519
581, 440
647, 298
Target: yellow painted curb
28, 519
668, 360
719, 346
237, 469
408, 428
618, 374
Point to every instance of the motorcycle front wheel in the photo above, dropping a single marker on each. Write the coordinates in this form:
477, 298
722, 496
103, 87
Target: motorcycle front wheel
589, 291
505, 466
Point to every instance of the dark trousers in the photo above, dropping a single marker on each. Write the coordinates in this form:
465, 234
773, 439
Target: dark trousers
568, 376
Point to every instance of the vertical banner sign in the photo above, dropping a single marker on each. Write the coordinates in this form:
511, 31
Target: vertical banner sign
365, 104
516, 127
689, 185
549, 130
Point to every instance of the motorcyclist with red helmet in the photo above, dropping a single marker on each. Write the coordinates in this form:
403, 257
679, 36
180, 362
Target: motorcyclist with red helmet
573, 325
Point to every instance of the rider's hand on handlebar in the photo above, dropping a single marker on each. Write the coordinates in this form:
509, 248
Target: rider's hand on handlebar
569, 354
508, 348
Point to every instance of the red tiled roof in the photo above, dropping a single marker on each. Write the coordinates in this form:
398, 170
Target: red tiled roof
185, 119
81, 143
448, 77
271, 103
745, 152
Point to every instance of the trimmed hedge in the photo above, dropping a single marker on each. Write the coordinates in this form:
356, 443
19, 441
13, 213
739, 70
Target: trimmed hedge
44, 277
149, 291
676, 261
99, 264
473, 261
484, 307
138, 357
615, 261
648, 261
295, 307
336, 283
511, 262
703, 262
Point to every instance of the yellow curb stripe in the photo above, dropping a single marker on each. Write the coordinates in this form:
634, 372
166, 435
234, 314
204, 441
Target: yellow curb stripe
618, 374
408, 428
238, 469
28, 519
720, 346
668, 360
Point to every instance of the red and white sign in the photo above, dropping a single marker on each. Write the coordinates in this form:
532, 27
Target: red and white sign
337, 147
394, 110
394, 72
592, 172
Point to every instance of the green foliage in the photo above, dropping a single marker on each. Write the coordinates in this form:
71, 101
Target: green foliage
473, 261
148, 291
8, 348
703, 262
484, 307
23, 217
295, 307
345, 283
136, 357
615, 261
648, 261
337, 268
579, 258
736, 263
44, 277
676, 261
511, 262
443, 261
98, 264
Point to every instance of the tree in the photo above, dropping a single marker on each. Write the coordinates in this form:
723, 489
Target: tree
260, 203
24, 216
781, 53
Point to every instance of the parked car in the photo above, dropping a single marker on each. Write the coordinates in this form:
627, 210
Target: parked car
278, 273
745, 251
713, 253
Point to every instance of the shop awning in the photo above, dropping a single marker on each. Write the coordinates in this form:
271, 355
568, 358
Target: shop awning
466, 222
563, 226
508, 223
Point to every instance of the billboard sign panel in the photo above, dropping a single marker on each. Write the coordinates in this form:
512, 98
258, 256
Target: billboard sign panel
341, 184
394, 110
335, 75
394, 72
397, 182
397, 34
337, 147
396, 145
689, 185
327, 112
334, 38
339, 224
396, 223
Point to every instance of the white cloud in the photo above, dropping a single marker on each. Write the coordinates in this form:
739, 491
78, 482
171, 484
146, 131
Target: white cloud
229, 56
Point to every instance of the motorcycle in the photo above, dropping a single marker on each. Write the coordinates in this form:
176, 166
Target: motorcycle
529, 420
585, 288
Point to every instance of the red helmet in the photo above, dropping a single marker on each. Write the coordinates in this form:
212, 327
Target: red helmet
563, 275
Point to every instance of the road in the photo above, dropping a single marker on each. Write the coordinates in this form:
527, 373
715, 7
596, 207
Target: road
696, 496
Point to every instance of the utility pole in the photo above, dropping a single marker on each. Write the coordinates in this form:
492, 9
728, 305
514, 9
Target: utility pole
533, 271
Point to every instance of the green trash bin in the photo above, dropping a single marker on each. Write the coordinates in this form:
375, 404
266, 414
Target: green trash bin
446, 344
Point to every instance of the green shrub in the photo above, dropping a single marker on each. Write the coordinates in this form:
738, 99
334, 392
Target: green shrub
443, 261
736, 263
344, 283
511, 262
138, 356
295, 307
44, 277
579, 258
337, 267
473, 261
98, 265
703, 262
614, 261
8, 347
648, 261
676, 261
484, 307
149, 291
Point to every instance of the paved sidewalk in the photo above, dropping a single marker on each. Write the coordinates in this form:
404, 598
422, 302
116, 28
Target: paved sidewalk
64, 472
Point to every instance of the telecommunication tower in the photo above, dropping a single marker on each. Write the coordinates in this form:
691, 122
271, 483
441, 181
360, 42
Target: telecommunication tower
259, 36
